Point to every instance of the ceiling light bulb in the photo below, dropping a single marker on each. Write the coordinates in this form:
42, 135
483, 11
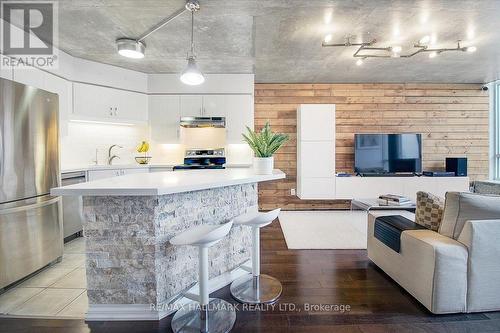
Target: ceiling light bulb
328, 38
192, 75
433, 54
471, 49
130, 48
425, 39
396, 49
359, 62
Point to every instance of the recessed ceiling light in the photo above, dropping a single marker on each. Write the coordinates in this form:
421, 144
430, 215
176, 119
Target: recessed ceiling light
359, 62
130, 48
471, 49
433, 54
425, 39
328, 38
396, 49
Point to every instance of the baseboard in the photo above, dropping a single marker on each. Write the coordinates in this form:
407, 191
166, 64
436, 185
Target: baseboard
133, 312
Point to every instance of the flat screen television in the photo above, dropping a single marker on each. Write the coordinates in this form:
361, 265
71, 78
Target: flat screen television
387, 153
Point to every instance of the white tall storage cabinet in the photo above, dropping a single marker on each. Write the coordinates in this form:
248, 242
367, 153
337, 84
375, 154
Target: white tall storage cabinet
316, 151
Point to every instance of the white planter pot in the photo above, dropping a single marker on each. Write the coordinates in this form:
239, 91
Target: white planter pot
263, 165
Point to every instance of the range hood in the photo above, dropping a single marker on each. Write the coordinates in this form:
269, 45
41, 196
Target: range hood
202, 122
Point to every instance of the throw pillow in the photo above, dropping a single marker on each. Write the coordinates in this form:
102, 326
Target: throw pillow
461, 207
429, 212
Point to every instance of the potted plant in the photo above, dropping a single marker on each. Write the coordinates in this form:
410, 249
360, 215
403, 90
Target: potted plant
143, 147
264, 144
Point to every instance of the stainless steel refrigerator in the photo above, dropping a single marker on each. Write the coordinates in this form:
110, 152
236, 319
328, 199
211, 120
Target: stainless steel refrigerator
30, 219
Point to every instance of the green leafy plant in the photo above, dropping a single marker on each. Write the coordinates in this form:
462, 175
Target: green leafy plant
265, 143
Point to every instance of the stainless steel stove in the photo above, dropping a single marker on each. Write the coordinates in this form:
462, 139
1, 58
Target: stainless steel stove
203, 159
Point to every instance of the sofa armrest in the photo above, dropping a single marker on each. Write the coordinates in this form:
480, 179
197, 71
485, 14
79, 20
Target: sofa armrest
430, 266
482, 240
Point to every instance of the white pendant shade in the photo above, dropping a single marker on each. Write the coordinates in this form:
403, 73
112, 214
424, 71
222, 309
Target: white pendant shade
192, 75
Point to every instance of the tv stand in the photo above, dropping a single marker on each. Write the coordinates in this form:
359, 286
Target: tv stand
372, 186
386, 174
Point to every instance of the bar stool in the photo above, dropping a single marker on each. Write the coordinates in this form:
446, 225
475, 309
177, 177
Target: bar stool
256, 288
208, 314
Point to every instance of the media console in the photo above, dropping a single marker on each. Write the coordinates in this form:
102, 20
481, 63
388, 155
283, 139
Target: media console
372, 187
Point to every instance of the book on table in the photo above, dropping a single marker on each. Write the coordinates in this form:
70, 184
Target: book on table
383, 202
394, 198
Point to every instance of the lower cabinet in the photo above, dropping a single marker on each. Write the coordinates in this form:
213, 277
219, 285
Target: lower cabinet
372, 187
108, 173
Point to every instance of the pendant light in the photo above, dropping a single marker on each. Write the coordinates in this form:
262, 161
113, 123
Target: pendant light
192, 75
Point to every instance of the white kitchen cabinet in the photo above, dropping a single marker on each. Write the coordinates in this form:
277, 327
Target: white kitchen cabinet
109, 104
316, 151
5, 72
239, 114
191, 105
214, 106
108, 173
30, 76
164, 116
202, 105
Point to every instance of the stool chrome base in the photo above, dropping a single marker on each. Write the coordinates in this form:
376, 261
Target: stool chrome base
256, 290
220, 318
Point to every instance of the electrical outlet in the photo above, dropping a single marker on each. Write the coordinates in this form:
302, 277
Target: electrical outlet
292, 191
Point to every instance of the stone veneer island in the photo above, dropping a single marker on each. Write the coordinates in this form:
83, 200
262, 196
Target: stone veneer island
133, 272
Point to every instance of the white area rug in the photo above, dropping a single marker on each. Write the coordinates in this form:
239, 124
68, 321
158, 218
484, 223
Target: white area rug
326, 230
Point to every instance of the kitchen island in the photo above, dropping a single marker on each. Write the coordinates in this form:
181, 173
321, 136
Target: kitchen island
133, 272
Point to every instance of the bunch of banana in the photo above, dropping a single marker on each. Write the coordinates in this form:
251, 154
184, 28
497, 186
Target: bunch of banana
143, 147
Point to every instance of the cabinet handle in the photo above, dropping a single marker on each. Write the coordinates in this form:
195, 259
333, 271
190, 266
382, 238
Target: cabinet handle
110, 111
116, 111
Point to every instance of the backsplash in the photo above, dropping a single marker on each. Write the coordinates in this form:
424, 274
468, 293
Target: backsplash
78, 147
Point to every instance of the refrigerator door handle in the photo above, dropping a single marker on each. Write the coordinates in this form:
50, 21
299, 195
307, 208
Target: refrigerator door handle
30, 206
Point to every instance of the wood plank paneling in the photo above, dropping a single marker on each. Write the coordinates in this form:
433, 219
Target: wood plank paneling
453, 118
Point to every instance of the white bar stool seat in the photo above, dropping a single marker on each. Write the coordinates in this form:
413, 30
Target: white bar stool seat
209, 315
256, 288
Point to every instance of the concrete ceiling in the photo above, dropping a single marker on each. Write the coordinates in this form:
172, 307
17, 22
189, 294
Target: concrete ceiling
280, 40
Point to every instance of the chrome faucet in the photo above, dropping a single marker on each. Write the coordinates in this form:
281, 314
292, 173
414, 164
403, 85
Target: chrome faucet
112, 157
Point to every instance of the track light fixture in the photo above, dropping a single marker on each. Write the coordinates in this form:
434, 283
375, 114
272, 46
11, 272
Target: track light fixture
135, 48
367, 50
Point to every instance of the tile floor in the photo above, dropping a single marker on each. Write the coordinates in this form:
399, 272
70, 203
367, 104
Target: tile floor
57, 291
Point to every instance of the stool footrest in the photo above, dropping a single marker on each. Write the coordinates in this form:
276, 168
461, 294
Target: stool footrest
246, 268
192, 297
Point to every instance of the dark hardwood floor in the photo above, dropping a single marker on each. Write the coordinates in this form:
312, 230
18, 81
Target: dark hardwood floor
341, 277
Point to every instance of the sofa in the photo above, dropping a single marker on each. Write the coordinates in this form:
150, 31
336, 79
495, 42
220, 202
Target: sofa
454, 269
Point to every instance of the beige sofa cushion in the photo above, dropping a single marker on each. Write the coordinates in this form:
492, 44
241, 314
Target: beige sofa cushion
429, 210
464, 206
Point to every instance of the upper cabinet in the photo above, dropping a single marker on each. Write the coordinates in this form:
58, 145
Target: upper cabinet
202, 105
239, 114
191, 105
165, 112
5, 73
164, 116
113, 105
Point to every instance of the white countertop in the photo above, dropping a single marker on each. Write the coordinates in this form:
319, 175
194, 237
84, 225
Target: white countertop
160, 183
133, 166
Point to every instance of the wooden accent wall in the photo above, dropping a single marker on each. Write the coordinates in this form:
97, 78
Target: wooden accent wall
453, 119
